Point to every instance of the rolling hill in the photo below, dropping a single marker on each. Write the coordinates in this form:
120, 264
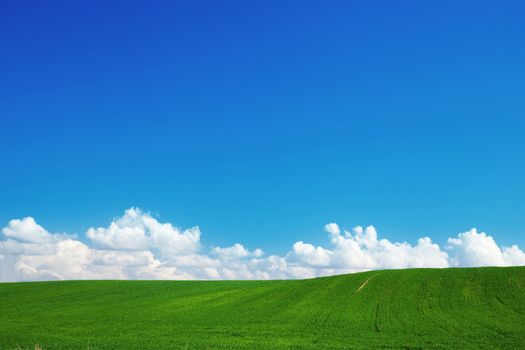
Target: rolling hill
475, 308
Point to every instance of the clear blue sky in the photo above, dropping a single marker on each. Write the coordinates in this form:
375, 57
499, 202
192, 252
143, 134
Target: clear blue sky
262, 121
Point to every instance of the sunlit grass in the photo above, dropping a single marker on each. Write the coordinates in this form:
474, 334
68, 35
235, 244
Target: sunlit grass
479, 308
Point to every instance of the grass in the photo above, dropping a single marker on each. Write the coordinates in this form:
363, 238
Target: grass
477, 308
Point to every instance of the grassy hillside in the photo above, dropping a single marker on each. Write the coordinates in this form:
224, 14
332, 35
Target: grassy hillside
479, 308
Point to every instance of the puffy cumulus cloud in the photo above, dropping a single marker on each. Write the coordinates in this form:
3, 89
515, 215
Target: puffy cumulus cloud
133, 246
361, 250
332, 228
136, 230
310, 255
27, 230
478, 249
138, 246
127, 248
236, 251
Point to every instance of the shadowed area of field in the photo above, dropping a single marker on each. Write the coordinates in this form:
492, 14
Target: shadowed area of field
478, 308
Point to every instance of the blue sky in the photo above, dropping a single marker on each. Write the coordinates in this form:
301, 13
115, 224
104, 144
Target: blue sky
262, 122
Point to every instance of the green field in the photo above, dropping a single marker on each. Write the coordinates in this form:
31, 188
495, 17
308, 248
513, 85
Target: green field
478, 308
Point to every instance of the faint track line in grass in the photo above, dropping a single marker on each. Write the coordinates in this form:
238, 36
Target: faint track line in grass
365, 283
376, 316
376, 319
507, 306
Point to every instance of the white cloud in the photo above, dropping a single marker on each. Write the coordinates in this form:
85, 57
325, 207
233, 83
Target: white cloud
513, 256
138, 246
478, 249
309, 255
27, 230
236, 251
332, 228
136, 230
361, 250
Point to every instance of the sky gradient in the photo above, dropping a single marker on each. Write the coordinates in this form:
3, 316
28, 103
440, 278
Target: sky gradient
262, 122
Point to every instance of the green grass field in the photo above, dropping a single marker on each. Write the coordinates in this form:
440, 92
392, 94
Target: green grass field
478, 308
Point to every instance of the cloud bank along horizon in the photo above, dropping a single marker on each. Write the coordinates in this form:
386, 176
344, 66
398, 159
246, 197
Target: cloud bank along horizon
138, 246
